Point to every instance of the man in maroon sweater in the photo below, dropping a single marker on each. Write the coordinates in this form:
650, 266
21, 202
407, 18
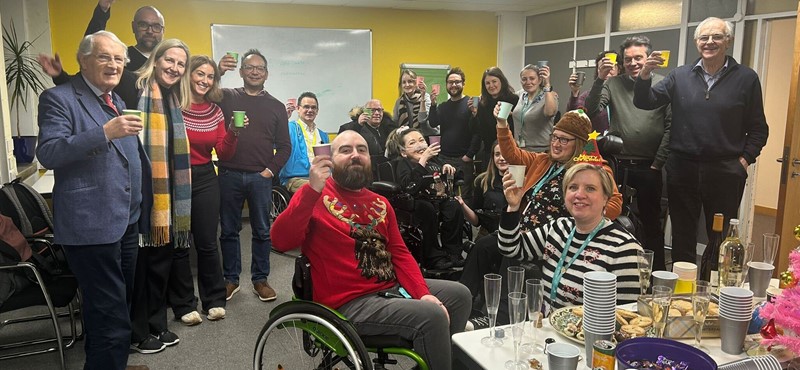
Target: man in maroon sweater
248, 175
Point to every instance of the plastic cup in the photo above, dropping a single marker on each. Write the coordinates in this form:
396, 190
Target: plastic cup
475, 101
517, 173
235, 55
687, 275
759, 276
665, 55
541, 63
420, 80
434, 139
665, 278
563, 356
581, 78
612, 57
322, 149
732, 333
238, 118
505, 110
436, 88
132, 112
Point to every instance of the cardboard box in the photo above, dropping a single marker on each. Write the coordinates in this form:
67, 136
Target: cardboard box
683, 326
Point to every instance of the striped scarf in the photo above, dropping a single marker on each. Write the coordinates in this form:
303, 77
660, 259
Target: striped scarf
413, 103
172, 178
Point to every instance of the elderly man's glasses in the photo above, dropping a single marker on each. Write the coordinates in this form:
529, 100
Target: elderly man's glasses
561, 140
715, 37
144, 26
106, 59
259, 69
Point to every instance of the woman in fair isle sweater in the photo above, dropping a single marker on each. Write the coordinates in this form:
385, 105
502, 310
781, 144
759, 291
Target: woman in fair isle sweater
205, 128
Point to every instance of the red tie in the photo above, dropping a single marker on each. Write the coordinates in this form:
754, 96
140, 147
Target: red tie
107, 99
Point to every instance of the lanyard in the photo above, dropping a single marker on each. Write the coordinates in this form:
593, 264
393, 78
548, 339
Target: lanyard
560, 269
551, 173
305, 134
527, 106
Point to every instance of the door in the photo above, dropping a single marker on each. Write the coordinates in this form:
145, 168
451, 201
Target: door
788, 216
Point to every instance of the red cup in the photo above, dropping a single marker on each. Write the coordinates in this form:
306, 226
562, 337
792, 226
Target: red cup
322, 149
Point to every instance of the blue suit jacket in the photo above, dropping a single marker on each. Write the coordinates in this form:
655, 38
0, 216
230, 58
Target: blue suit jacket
93, 191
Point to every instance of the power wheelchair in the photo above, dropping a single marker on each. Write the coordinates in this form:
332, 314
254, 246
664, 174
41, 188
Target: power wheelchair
303, 334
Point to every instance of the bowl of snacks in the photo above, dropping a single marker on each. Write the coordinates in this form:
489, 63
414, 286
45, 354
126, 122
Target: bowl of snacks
661, 354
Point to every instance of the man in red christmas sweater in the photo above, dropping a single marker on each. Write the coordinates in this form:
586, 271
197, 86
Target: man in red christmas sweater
351, 238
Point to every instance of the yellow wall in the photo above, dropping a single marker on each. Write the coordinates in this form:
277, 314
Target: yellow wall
465, 39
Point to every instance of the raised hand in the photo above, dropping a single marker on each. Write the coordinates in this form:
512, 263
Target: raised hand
320, 171
512, 192
50, 65
122, 126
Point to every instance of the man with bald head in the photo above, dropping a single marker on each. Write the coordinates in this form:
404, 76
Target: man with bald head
98, 163
718, 130
357, 256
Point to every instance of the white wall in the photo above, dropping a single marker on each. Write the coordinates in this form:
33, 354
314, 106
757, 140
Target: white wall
511, 45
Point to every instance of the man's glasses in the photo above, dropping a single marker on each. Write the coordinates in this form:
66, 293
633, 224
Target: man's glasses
715, 37
376, 110
309, 107
105, 59
455, 83
259, 69
144, 26
561, 140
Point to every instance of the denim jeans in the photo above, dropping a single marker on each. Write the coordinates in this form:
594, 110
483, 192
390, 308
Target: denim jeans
235, 188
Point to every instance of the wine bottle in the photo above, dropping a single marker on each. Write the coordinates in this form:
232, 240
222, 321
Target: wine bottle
731, 265
709, 262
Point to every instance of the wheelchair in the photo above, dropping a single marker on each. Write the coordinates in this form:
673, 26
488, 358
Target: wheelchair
280, 199
302, 334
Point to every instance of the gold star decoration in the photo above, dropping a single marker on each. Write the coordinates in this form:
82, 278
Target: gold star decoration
594, 135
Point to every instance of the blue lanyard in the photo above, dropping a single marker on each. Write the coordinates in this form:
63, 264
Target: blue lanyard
560, 268
526, 107
551, 173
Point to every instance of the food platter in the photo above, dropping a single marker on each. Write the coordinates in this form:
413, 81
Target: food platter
567, 321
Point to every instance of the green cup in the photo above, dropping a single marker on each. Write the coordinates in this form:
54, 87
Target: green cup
132, 112
368, 112
238, 118
235, 55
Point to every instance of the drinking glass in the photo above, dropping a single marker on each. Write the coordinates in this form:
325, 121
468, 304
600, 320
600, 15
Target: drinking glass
516, 279
535, 291
662, 296
771, 244
492, 283
644, 259
749, 252
700, 299
517, 309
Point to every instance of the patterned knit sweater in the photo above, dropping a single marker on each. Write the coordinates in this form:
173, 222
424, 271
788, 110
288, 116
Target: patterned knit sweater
612, 249
205, 128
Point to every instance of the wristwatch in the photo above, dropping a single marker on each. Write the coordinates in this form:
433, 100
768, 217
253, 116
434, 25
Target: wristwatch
547, 89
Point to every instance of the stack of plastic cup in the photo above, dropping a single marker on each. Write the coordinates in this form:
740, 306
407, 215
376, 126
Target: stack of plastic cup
735, 311
766, 362
599, 306
687, 275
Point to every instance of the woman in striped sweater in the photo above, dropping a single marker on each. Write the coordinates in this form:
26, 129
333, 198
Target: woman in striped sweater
573, 246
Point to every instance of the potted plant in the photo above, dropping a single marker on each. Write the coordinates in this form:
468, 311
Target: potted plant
23, 76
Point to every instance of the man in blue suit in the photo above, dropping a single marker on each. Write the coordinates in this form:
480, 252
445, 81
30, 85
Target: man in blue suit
98, 164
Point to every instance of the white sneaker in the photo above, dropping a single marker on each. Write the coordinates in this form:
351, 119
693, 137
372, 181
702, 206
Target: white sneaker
191, 319
216, 313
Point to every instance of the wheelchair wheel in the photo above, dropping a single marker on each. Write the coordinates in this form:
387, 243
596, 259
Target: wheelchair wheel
280, 200
306, 335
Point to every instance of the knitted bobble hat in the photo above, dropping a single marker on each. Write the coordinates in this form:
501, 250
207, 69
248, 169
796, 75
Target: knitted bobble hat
575, 123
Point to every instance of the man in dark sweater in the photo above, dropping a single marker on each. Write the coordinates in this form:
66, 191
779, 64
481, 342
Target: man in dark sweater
645, 135
148, 27
718, 130
375, 126
459, 144
260, 154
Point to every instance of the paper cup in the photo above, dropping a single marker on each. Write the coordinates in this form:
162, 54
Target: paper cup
505, 110
732, 334
436, 88
235, 55
132, 112
322, 149
541, 63
434, 139
475, 101
612, 57
581, 78
238, 118
517, 173
665, 278
563, 356
759, 276
665, 55
420, 80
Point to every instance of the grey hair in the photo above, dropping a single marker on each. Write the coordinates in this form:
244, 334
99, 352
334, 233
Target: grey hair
638, 40
86, 46
728, 27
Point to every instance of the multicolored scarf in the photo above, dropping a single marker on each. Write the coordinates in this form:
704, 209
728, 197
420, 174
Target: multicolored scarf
413, 103
172, 178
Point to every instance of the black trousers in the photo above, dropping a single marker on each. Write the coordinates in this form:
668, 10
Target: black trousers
648, 185
205, 222
714, 187
483, 258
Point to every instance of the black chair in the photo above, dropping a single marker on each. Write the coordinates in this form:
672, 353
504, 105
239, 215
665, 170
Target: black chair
56, 292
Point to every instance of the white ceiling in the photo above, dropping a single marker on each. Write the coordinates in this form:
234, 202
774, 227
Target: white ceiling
467, 5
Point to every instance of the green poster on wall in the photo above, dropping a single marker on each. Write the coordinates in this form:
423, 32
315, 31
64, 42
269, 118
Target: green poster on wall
434, 74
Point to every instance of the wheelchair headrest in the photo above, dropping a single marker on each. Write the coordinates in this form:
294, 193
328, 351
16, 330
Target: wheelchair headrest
609, 145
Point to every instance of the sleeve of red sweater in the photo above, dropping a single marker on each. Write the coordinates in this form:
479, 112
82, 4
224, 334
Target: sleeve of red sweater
290, 229
226, 142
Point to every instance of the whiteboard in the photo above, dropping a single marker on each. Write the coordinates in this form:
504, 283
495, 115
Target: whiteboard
335, 64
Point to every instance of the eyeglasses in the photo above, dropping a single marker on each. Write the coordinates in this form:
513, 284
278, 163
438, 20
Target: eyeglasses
309, 107
259, 69
105, 59
144, 26
375, 110
561, 140
455, 82
715, 37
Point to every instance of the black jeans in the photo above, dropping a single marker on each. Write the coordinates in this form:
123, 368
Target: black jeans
648, 185
716, 187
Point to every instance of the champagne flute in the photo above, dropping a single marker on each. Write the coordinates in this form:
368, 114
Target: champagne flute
645, 263
749, 252
662, 295
771, 244
700, 299
517, 308
535, 291
516, 279
492, 284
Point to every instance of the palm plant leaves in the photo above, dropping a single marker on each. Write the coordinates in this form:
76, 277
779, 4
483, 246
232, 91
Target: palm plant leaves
22, 70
